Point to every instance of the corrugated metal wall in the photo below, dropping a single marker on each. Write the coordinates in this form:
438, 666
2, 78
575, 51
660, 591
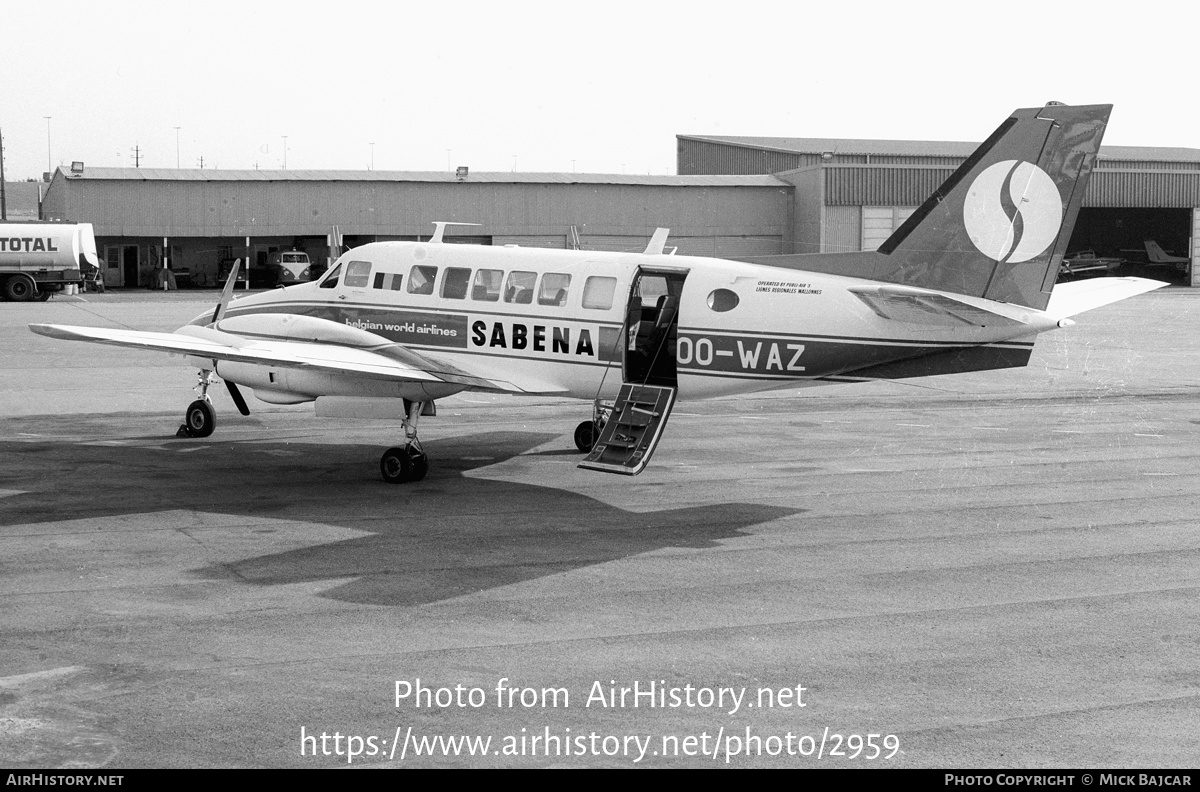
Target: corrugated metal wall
842, 229
1143, 188
253, 208
860, 180
699, 157
881, 185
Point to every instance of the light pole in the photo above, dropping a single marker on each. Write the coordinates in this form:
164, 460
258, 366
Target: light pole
176, 148
49, 159
372, 156
285, 152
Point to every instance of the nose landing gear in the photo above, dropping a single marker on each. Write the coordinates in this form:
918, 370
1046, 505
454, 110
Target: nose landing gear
200, 418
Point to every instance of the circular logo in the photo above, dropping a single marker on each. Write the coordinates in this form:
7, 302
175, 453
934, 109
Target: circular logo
1013, 211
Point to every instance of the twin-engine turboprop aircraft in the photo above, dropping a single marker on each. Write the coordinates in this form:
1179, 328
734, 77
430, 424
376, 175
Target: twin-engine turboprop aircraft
963, 285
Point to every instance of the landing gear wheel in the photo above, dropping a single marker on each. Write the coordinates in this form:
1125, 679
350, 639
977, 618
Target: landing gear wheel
420, 466
20, 288
586, 436
401, 465
198, 421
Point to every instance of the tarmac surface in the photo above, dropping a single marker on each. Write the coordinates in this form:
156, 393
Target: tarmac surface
988, 570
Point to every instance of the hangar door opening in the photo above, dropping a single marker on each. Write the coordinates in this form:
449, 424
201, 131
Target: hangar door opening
1117, 233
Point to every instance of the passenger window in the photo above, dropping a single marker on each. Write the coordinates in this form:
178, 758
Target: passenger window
420, 279
331, 280
358, 274
520, 287
388, 280
487, 285
454, 285
598, 292
554, 289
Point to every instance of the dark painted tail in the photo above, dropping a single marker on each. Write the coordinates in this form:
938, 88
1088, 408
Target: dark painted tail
999, 227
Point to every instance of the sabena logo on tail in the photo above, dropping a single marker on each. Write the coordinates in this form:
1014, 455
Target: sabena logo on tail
1013, 211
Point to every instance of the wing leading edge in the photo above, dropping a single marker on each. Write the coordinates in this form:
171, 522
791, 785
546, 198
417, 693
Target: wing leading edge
390, 362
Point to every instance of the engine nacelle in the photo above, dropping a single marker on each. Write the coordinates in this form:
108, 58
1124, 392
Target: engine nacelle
294, 327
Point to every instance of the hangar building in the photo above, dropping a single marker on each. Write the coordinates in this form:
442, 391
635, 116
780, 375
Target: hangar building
851, 194
734, 197
200, 218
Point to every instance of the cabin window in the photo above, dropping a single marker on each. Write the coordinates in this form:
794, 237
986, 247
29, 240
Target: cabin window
554, 289
487, 285
420, 279
598, 292
520, 287
358, 274
722, 300
388, 280
331, 280
454, 284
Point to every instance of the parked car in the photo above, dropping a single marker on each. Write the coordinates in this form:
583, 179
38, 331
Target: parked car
289, 267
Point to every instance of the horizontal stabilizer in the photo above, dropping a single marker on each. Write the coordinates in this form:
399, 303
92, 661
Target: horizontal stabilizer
1076, 297
915, 306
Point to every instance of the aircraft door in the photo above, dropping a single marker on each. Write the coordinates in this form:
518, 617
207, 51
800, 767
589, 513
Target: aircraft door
636, 419
651, 327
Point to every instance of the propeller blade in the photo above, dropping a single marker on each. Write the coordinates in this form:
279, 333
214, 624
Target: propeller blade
227, 293
236, 395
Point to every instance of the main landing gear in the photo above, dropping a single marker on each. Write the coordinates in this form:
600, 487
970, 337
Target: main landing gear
200, 418
588, 432
409, 463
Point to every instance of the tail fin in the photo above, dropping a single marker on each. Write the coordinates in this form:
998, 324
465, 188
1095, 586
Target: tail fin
999, 227
1157, 255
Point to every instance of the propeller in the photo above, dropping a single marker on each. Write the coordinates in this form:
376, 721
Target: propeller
227, 294
236, 395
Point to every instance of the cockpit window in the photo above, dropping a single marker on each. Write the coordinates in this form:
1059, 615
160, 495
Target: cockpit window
331, 280
358, 274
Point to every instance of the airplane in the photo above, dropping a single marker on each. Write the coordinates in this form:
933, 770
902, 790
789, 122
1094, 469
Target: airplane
964, 284
1157, 255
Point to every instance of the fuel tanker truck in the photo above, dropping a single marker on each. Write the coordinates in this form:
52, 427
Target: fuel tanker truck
37, 259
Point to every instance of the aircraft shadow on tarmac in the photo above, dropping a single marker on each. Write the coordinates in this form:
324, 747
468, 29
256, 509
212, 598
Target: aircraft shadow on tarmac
449, 535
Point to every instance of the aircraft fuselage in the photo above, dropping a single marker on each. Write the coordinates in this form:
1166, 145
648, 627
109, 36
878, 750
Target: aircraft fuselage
559, 321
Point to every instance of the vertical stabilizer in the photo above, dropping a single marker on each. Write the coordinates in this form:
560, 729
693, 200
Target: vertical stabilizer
999, 227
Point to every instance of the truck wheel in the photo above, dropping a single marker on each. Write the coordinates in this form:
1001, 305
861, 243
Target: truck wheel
42, 296
20, 288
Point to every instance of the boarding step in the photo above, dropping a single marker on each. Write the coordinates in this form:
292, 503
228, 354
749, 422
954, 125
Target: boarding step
633, 429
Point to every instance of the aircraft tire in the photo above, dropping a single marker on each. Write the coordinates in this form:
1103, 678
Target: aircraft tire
420, 466
199, 420
396, 466
586, 436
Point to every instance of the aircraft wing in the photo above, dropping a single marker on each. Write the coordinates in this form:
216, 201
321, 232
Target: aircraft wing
917, 306
394, 363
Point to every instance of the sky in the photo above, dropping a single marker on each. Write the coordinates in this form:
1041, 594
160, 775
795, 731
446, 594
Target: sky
560, 87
